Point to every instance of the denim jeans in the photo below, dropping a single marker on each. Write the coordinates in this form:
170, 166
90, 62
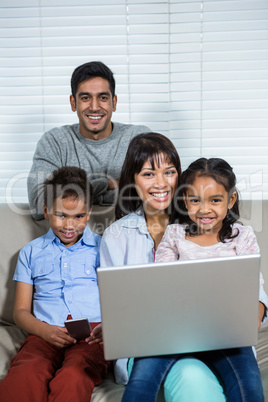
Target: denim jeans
236, 369
146, 378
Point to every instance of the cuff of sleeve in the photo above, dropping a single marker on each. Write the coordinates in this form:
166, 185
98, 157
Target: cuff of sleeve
120, 371
109, 198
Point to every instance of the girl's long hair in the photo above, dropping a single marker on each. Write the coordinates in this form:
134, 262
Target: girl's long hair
219, 170
143, 147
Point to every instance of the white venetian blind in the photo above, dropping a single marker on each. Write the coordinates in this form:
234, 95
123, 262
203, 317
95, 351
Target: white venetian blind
196, 71
219, 86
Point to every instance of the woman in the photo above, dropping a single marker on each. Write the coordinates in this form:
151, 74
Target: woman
149, 180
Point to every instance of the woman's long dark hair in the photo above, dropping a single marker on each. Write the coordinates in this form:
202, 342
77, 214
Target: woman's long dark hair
143, 147
219, 170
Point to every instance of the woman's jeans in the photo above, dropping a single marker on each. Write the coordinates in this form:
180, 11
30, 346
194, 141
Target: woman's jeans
236, 369
146, 378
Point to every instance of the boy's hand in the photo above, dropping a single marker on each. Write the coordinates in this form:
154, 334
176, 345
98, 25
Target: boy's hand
58, 336
95, 335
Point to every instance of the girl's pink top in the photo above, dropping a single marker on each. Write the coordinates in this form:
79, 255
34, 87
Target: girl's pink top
174, 246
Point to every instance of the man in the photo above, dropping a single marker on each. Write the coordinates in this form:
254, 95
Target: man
96, 144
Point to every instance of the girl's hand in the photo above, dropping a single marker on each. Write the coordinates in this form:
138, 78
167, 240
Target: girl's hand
96, 335
57, 336
261, 313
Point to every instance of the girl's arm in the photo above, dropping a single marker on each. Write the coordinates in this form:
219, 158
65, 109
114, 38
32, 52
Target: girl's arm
262, 310
23, 317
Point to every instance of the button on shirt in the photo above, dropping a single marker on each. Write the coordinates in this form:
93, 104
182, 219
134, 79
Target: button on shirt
64, 278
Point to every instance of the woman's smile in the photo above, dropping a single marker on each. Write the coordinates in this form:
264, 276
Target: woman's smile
161, 196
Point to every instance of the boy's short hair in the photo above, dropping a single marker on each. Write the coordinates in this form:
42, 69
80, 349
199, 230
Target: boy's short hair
90, 70
68, 182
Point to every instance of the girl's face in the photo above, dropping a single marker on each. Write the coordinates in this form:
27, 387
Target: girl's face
156, 187
207, 203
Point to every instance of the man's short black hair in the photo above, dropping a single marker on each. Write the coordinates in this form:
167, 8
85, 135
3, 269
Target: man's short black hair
90, 70
68, 182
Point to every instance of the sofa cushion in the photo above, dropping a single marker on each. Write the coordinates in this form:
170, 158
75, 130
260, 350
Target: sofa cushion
262, 356
20, 230
11, 337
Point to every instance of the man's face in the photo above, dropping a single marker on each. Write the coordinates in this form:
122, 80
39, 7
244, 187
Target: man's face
94, 105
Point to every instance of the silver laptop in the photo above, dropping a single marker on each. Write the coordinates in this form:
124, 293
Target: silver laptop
179, 307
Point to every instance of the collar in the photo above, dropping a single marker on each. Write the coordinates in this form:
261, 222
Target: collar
87, 238
135, 220
115, 127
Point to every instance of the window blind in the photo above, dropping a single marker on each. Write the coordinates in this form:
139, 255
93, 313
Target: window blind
196, 71
219, 86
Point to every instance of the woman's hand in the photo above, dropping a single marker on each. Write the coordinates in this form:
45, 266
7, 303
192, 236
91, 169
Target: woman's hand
96, 335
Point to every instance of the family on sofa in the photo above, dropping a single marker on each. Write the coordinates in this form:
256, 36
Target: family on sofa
57, 272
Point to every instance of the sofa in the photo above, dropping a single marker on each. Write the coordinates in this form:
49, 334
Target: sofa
19, 228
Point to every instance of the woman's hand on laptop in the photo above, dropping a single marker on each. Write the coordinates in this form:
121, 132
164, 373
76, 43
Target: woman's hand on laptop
95, 335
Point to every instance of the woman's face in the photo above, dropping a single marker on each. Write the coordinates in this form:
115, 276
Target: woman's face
156, 187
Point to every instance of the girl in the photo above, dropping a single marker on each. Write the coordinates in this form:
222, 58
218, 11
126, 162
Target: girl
209, 210
148, 182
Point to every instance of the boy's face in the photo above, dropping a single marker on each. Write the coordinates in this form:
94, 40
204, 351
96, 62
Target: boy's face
68, 218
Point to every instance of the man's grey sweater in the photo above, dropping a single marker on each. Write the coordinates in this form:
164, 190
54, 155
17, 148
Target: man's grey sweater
65, 146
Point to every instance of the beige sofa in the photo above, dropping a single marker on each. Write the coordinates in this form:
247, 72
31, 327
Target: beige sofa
18, 229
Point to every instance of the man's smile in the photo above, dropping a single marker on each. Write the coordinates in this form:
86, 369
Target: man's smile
93, 117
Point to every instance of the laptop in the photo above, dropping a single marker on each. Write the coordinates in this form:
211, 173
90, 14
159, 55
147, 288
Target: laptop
179, 307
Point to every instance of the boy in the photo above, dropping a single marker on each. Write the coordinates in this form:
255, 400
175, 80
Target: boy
58, 271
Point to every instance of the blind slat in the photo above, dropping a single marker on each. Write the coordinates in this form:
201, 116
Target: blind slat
194, 70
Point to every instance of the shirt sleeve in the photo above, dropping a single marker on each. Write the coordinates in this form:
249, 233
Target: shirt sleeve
168, 247
247, 241
113, 247
248, 245
23, 271
108, 197
47, 158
